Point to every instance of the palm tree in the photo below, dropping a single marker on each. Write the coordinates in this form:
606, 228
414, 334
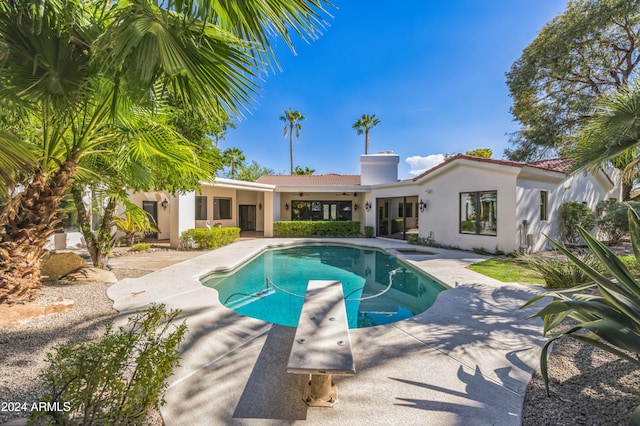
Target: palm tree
363, 125
233, 157
74, 67
292, 119
612, 135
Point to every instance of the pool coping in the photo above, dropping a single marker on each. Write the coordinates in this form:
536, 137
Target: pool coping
484, 349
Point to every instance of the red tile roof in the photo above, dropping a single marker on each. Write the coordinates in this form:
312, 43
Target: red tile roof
310, 180
556, 164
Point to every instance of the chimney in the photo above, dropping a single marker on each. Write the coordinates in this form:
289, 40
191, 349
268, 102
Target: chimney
379, 168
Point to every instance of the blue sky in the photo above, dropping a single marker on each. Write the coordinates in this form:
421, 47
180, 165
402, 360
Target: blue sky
433, 72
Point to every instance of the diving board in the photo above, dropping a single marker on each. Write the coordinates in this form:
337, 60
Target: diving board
322, 344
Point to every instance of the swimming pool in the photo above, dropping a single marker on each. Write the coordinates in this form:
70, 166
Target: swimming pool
378, 287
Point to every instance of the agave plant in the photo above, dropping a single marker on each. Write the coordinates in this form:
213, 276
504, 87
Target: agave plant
606, 311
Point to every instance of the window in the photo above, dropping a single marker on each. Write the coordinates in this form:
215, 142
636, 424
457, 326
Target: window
478, 213
221, 208
544, 203
201, 207
320, 210
409, 207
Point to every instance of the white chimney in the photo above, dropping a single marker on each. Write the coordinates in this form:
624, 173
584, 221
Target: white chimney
379, 168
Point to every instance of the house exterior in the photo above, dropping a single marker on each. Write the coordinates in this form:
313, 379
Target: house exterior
466, 202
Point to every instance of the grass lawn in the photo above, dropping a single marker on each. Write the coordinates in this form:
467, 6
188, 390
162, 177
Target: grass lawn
508, 269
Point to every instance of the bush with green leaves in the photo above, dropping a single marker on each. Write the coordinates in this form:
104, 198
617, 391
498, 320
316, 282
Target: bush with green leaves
612, 220
140, 247
114, 379
605, 312
368, 231
208, 239
321, 228
574, 215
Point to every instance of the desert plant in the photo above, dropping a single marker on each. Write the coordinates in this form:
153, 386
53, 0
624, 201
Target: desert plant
560, 273
114, 379
606, 312
574, 215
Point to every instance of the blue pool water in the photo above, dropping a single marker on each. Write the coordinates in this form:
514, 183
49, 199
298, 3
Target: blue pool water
364, 272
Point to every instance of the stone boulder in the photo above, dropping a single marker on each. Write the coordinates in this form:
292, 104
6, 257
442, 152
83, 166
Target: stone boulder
56, 265
92, 275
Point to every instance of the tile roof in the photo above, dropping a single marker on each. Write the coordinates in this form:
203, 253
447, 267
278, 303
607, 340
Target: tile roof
562, 165
310, 180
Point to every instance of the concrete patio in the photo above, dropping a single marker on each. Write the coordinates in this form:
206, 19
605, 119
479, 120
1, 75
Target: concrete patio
466, 361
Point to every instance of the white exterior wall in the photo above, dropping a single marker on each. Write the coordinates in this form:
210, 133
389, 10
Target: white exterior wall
583, 188
183, 212
379, 168
441, 192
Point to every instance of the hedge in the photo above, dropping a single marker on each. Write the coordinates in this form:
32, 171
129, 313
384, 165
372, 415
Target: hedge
301, 228
208, 239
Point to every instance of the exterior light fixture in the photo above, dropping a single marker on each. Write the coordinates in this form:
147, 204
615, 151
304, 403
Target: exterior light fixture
286, 206
164, 204
422, 205
355, 207
301, 194
367, 206
260, 206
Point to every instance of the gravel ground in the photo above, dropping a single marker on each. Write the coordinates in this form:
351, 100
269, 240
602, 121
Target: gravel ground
588, 386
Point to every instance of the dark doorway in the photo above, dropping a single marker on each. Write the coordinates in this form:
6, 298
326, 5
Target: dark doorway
247, 215
151, 207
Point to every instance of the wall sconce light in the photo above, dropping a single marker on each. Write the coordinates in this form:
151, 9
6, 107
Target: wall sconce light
286, 207
301, 194
260, 206
367, 206
164, 204
422, 205
355, 207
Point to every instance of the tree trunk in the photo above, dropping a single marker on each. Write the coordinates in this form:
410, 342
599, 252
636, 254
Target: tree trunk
626, 190
99, 242
26, 222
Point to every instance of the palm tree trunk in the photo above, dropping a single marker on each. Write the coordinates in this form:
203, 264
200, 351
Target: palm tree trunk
366, 141
291, 145
26, 223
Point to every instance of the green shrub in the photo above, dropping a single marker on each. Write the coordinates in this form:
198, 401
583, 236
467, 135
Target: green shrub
481, 250
612, 220
397, 225
140, 247
630, 262
574, 215
208, 239
114, 379
302, 228
368, 231
560, 273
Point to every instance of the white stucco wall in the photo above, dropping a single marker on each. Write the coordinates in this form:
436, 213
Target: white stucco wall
441, 192
183, 212
582, 187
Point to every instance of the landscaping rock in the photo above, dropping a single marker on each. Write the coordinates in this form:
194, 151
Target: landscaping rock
57, 265
92, 275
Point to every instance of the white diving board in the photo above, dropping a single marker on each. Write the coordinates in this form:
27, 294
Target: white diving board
322, 345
